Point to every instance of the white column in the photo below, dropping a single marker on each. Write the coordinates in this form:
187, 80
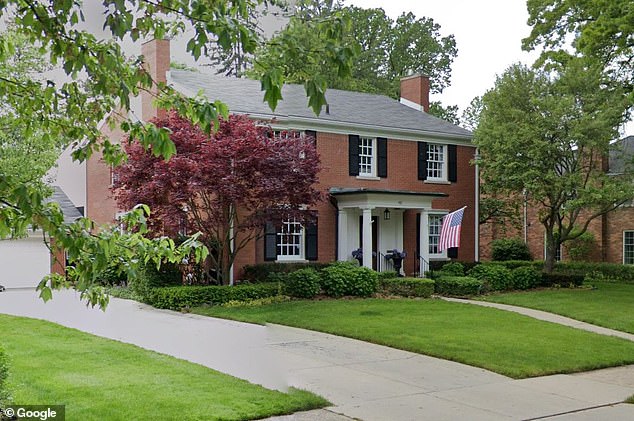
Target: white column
343, 247
424, 236
398, 226
367, 237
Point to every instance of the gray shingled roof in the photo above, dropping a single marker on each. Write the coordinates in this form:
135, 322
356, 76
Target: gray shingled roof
68, 208
345, 107
621, 155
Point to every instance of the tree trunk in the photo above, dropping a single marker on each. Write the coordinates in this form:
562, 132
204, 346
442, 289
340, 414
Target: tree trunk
551, 247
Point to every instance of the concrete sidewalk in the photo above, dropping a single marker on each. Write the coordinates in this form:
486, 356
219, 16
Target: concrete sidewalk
362, 380
547, 317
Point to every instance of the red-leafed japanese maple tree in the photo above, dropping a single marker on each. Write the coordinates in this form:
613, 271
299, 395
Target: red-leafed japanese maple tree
226, 185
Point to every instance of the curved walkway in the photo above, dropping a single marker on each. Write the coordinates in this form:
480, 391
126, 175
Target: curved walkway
362, 380
548, 317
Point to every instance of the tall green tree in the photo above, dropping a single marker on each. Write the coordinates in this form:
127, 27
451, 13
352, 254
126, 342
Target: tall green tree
387, 51
603, 30
101, 79
549, 134
23, 155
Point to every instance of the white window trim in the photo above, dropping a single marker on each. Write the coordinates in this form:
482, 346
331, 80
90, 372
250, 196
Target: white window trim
302, 249
372, 174
624, 232
442, 254
443, 177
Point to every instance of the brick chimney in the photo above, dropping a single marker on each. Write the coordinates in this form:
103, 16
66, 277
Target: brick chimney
156, 59
415, 92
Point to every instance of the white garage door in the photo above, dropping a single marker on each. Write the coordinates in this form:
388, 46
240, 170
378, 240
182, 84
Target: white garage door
23, 262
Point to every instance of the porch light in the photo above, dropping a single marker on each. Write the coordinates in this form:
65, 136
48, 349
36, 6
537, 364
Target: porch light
386, 214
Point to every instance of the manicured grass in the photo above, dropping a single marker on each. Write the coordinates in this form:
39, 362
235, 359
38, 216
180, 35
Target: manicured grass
609, 305
497, 340
101, 379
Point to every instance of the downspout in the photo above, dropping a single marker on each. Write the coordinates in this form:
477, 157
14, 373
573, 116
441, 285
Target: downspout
525, 193
477, 207
231, 244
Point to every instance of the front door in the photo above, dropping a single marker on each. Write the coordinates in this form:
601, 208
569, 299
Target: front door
375, 238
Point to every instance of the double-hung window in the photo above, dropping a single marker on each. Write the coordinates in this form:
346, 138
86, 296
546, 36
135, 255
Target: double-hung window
436, 162
628, 247
367, 157
290, 241
434, 223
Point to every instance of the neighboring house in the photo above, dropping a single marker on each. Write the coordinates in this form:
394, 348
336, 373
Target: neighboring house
390, 170
25, 261
613, 233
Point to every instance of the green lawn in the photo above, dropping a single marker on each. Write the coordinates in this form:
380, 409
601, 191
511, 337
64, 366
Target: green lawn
101, 379
497, 340
609, 305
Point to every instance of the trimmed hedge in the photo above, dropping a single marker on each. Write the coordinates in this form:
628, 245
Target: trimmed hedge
610, 271
4, 373
177, 298
525, 277
407, 287
562, 279
303, 283
453, 269
261, 272
347, 278
458, 286
494, 277
510, 249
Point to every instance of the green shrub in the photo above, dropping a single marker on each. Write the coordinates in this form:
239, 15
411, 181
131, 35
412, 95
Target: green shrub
525, 277
112, 276
438, 265
494, 277
458, 286
510, 249
303, 283
612, 271
453, 269
389, 274
561, 279
260, 272
149, 278
347, 278
514, 264
177, 298
280, 277
581, 248
407, 287
257, 302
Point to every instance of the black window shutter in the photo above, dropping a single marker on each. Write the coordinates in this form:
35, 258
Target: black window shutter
353, 154
270, 242
381, 170
312, 134
452, 157
311, 241
452, 252
422, 160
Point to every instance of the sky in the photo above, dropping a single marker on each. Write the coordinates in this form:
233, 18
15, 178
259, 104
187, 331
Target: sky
488, 36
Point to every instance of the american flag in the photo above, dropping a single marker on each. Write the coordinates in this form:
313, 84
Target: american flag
450, 230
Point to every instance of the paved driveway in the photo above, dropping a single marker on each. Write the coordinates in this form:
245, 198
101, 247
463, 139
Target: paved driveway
362, 380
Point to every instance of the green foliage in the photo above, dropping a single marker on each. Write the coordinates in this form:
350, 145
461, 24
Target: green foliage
494, 277
580, 249
458, 286
452, 269
564, 280
510, 249
149, 277
614, 272
101, 80
347, 278
380, 276
407, 287
4, 373
381, 51
257, 302
303, 283
525, 277
184, 297
261, 272
524, 147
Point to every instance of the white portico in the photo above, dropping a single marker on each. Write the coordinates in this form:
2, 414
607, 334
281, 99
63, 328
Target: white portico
372, 220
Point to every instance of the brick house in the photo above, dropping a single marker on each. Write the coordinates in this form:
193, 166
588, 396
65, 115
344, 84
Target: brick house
390, 170
613, 233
